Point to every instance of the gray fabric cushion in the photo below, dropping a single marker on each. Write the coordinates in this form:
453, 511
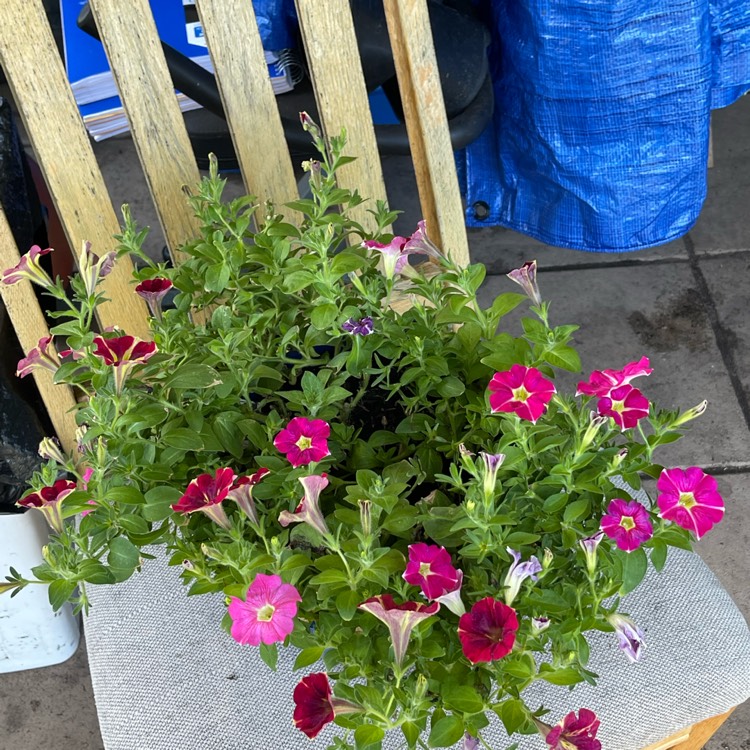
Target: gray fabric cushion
167, 678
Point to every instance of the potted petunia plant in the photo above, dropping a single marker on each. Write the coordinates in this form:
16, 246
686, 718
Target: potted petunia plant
353, 452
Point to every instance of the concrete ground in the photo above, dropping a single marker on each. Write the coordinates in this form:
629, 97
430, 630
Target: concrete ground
684, 305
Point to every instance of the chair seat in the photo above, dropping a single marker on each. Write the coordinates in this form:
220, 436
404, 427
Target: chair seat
166, 677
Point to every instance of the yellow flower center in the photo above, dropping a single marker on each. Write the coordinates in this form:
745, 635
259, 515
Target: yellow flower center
618, 406
520, 394
687, 500
265, 613
424, 570
304, 443
627, 523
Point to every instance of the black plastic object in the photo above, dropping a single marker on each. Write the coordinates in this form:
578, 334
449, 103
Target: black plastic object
461, 48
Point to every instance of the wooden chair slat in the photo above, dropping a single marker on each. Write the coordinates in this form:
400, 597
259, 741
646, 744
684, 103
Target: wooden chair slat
234, 43
694, 737
427, 124
132, 44
340, 92
28, 321
50, 115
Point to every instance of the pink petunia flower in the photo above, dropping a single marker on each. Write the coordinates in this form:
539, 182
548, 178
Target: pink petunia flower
628, 523
122, 353
315, 706
304, 441
308, 511
431, 569
206, 493
689, 498
395, 254
488, 632
629, 635
601, 382
521, 390
525, 277
242, 494
268, 612
153, 291
626, 405
41, 357
49, 501
92, 268
400, 619
575, 732
28, 268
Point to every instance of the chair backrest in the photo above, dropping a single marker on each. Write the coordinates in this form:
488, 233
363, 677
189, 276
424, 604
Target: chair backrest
32, 65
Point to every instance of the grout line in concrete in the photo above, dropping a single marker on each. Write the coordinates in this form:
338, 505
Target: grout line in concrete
722, 341
600, 265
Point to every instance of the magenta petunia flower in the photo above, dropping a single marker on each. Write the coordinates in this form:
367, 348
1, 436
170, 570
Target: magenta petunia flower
518, 573
41, 357
315, 706
28, 268
431, 569
521, 390
153, 291
488, 632
690, 498
400, 619
304, 441
421, 244
601, 382
268, 612
123, 353
242, 493
92, 268
629, 635
393, 254
525, 277
49, 501
362, 327
308, 511
628, 523
206, 493
626, 405
575, 732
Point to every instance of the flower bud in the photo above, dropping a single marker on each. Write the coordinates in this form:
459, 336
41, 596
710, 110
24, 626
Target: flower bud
525, 277
210, 552
50, 449
589, 546
467, 460
691, 414
547, 559
365, 516
595, 422
539, 625
80, 434
491, 464
618, 458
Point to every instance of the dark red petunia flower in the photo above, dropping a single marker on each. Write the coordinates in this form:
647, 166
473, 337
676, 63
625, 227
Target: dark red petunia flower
488, 631
48, 500
206, 493
315, 706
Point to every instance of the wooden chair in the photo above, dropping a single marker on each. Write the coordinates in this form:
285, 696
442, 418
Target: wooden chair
43, 96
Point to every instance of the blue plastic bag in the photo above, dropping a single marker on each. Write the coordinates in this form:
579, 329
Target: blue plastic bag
600, 135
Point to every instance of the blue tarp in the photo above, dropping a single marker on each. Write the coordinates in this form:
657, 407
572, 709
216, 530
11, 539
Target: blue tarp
600, 135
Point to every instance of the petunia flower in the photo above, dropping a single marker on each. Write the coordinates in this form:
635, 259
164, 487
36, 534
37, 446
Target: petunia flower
626, 405
601, 382
395, 254
304, 441
492, 463
122, 353
589, 546
488, 632
539, 625
400, 619
629, 635
268, 612
206, 493
49, 501
628, 523
153, 291
29, 268
362, 327
51, 450
575, 732
431, 569
315, 706
690, 498
308, 511
242, 494
521, 390
470, 743
41, 357
452, 599
525, 277
92, 268
518, 573
420, 243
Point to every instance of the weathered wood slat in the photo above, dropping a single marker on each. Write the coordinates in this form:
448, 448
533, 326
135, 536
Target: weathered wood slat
427, 125
28, 321
695, 737
234, 43
33, 67
132, 44
340, 91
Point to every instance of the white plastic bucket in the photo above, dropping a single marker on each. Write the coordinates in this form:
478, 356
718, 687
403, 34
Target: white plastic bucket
31, 634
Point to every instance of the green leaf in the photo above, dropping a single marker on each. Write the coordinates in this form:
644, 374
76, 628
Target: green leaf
555, 502
513, 715
368, 737
183, 439
463, 698
308, 656
446, 732
519, 538
564, 357
659, 555
230, 436
125, 495
634, 566
270, 654
450, 387
346, 263
93, 571
193, 376
505, 303
562, 676
347, 603
59, 592
297, 281
123, 558
217, 277
577, 509
411, 733
323, 316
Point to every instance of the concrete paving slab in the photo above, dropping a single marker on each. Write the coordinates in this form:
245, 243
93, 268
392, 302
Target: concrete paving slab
724, 223
652, 310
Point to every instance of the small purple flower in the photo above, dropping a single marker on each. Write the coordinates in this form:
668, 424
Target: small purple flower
92, 268
589, 546
539, 625
518, 573
492, 462
629, 635
525, 277
470, 743
361, 327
